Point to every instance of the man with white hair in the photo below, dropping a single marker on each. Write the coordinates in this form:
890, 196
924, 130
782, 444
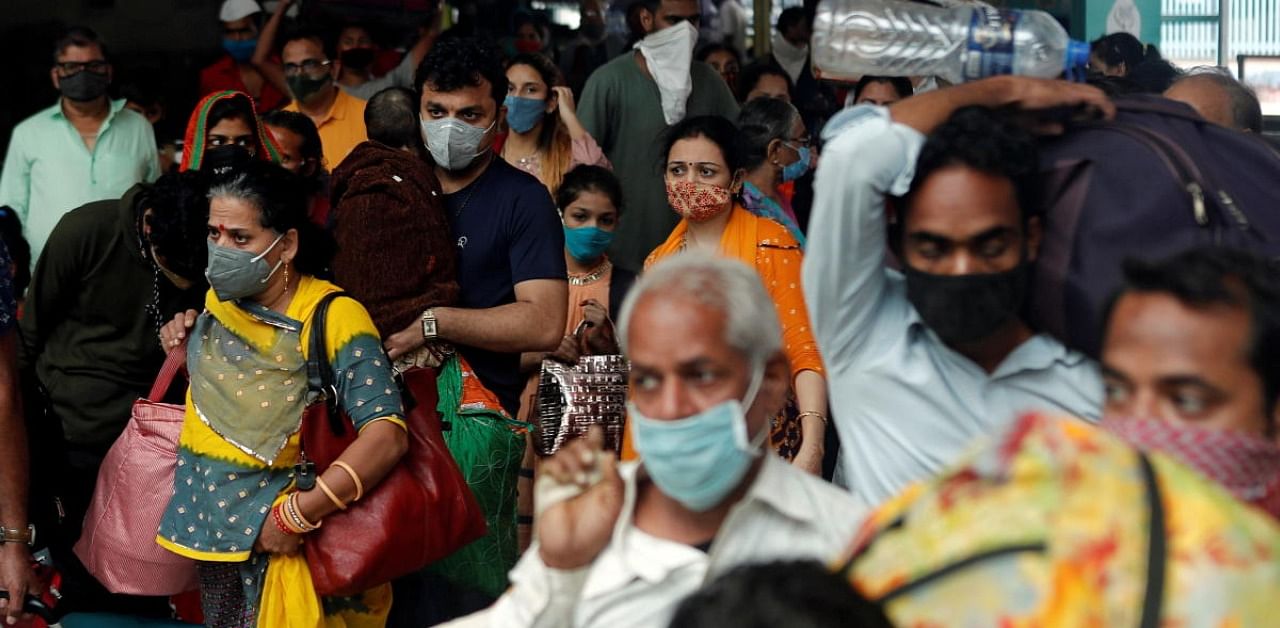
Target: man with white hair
620, 545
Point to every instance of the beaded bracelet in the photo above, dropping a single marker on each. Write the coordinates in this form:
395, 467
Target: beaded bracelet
280, 521
296, 516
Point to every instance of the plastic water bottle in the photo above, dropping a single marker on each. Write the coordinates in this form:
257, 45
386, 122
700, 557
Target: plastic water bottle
852, 38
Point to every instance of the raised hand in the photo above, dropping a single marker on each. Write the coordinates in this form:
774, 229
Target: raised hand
578, 498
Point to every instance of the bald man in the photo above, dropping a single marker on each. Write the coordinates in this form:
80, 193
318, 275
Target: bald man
1220, 99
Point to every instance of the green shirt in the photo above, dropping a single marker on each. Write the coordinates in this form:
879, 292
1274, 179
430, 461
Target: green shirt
49, 171
622, 109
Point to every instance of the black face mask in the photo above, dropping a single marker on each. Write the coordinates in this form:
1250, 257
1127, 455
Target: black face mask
305, 88
84, 86
221, 159
358, 59
967, 308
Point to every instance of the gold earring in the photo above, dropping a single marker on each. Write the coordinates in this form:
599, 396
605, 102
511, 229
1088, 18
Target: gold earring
286, 277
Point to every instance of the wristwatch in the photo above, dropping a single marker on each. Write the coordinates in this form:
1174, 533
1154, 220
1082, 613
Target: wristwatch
26, 536
429, 331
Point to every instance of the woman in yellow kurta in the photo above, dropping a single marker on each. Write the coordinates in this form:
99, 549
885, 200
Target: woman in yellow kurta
703, 175
237, 506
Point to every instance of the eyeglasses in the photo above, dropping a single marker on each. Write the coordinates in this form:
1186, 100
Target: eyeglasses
312, 67
67, 68
800, 141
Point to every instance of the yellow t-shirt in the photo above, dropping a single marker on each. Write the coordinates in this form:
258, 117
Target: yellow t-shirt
341, 129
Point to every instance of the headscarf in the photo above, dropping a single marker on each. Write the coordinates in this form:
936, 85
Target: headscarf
197, 131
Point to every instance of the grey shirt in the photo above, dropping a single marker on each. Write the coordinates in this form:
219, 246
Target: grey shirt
622, 109
400, 76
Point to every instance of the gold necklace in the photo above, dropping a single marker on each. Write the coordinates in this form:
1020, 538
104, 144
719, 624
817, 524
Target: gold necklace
591, 277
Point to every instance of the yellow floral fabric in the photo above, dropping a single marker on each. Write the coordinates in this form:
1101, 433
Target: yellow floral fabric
1050, 526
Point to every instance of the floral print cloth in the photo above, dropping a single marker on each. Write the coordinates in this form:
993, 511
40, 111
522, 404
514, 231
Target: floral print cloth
1050, 525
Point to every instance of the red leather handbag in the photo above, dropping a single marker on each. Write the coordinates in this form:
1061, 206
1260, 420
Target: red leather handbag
419, 513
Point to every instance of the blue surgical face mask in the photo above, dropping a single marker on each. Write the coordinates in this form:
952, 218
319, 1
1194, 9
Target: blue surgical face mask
236, 274
699, 460
797, 169
587, 244
524, 113
240, 49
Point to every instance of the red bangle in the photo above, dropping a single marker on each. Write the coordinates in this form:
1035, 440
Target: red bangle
275, 514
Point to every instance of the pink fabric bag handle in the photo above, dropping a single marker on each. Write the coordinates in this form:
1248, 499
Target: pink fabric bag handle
173, 363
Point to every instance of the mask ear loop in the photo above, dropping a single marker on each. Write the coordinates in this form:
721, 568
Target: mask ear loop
757, 382
278, 264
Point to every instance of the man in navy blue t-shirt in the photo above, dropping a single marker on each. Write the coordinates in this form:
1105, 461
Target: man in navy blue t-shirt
511, 269
510, 240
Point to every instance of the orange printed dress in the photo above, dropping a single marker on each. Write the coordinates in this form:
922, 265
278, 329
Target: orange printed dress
774, 253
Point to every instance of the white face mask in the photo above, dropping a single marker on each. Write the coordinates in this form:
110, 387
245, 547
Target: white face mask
791, 57
669, 54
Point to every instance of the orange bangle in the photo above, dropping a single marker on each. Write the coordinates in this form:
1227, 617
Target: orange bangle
354, 478
324, 487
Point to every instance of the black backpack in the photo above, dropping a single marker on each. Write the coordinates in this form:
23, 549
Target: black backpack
1155, 181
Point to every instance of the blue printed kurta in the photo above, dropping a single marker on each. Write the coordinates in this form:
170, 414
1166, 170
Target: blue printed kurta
229, 472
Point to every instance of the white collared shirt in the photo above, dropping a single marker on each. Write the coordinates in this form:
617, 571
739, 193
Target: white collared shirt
904, 404
639, 579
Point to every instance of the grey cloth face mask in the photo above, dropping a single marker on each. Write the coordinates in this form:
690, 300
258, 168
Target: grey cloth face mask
236, 274
453, 144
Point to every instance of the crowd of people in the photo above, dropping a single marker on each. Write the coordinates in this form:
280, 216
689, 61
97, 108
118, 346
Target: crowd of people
824, 292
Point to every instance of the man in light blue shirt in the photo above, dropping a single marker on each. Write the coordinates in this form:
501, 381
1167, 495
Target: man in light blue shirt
922, 362
84, 148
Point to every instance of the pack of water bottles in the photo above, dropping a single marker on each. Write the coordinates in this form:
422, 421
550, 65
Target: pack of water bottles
852, 38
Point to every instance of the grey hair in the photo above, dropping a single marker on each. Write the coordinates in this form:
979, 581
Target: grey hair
723, 284
1246, 112
237, 186
760, 122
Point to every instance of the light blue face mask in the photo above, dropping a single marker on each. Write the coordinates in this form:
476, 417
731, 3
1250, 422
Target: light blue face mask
236, 274
798, 168
524, 113
700, 459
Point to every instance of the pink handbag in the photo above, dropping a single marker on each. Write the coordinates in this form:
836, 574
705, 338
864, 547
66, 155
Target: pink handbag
118, 544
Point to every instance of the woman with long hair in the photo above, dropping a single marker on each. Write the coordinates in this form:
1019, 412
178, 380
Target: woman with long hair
546, 138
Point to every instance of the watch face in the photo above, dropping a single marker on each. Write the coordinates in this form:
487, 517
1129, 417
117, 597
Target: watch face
429, 328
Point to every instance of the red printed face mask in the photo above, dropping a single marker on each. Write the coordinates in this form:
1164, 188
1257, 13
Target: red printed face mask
1246, 465
697, 202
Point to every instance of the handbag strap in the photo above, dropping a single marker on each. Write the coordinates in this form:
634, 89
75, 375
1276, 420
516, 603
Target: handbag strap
320, 386
173, 363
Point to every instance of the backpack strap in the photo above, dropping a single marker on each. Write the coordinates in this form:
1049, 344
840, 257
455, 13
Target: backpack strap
1157, 550
320, 385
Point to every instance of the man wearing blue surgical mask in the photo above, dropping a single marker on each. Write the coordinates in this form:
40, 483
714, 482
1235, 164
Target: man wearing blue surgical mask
619, 545
234, 70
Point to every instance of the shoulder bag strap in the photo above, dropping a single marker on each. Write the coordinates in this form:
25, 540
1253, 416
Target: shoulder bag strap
319, 371
172, 364
1157, 549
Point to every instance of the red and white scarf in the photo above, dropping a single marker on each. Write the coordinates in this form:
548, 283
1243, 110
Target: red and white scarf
1246, 465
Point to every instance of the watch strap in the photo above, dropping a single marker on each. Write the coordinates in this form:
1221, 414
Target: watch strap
26, 536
